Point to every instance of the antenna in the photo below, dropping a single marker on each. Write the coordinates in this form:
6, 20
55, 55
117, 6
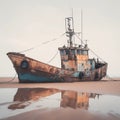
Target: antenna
81, 26
69, 30
72, 12
72, 20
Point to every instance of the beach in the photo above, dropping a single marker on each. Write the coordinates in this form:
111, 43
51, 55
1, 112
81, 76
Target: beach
101, 87
67, 110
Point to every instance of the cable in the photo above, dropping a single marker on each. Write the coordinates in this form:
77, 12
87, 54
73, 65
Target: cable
11, 79
79, 39
110, 78
90, 49
97, 55
41, 44
52, 57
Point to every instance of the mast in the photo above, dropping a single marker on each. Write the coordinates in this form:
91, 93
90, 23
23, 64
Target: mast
81, 26
69, 30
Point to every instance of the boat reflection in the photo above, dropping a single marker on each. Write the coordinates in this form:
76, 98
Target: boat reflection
26, 96
76, 100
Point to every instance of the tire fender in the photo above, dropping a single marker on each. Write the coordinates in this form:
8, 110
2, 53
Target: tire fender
24, 64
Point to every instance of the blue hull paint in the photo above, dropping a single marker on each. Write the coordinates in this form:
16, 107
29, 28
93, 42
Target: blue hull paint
27, 77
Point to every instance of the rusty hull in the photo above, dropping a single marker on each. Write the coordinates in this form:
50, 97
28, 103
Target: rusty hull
37, 71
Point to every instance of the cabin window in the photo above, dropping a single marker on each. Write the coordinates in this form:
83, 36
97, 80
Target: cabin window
67, 52
84, 52
62, 52
79, 52
92, 64
73, 52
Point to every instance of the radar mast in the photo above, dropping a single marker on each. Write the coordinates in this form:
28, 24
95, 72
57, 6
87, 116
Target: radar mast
69, 30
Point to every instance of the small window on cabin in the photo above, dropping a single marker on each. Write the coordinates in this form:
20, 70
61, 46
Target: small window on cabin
73, 52
82, 53
62, 52
67, 52
79, 52
85, 52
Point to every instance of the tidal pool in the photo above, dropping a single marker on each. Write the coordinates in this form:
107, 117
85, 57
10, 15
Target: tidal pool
14, 101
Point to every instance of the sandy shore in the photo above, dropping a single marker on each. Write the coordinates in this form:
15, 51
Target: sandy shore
60, 114
101, 87
109, 87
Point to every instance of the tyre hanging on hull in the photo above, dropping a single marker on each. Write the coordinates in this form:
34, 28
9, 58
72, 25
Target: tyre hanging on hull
24, 64
81, 75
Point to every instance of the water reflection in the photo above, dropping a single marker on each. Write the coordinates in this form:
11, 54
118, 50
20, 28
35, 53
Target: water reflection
76, 100
25, 96
15, 101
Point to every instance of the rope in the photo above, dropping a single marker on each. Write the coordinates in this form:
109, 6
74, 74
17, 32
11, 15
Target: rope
90, 49
79, 39
52, 57
110, 78
41, 44
97, 56
11, 79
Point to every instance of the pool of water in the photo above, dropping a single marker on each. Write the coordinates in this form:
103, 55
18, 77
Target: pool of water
14, 101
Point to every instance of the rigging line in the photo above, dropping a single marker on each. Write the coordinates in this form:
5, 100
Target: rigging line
12, 79
90, 49
79, 39
26, 50
110, 78
52, 57
97, 56
41, 44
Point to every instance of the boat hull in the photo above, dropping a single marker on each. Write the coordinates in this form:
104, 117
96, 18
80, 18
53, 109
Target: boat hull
33, 71
28, 77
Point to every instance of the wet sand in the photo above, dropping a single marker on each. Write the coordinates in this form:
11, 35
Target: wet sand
109, 87
59, 114
101, 87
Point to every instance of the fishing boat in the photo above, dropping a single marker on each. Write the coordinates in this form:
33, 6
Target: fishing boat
76, 65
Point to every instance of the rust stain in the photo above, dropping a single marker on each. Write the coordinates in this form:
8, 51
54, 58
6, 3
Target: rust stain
82, 58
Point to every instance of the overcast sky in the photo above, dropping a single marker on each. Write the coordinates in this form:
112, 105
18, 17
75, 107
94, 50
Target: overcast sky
27, 23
